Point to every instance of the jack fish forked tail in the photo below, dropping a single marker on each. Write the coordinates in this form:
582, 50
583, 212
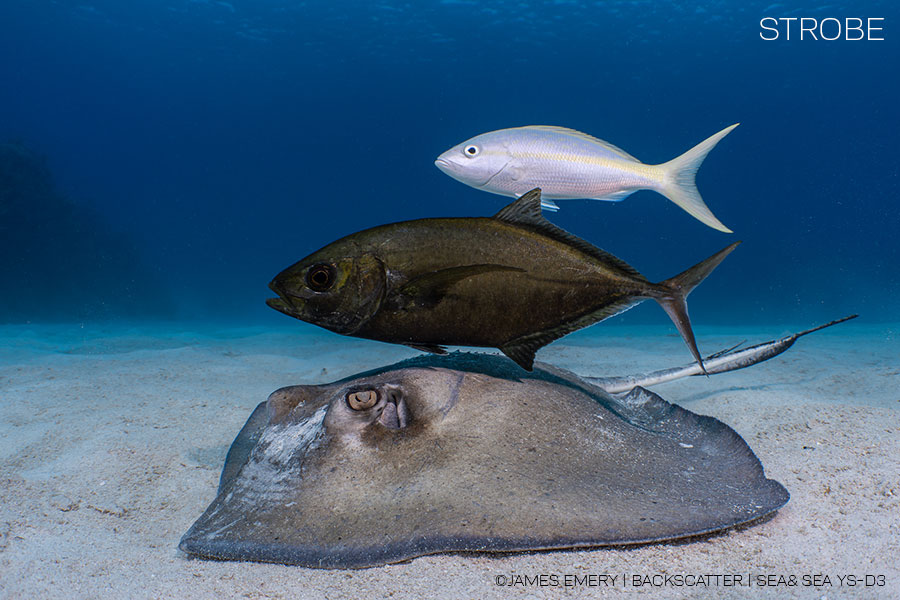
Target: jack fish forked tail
672, 295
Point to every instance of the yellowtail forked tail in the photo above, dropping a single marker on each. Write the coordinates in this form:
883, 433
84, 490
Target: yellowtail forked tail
679, 184
673, 293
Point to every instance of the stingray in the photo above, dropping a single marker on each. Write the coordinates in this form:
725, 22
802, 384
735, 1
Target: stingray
466, 453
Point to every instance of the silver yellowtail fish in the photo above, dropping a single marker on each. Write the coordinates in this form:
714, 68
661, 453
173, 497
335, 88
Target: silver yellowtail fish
568, 164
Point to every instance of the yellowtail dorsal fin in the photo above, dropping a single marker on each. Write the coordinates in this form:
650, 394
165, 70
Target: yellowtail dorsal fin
578, 134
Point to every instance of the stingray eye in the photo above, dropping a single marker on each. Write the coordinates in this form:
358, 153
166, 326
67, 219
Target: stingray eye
472, 151
362, 400
320, 277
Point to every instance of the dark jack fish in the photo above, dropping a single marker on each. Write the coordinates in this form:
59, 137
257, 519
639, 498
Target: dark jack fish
513, 281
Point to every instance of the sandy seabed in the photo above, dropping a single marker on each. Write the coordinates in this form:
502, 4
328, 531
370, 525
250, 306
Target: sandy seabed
112, 439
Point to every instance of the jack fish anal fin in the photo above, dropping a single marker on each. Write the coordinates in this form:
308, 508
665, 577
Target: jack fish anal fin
523, 349
526, 211
425, 291
522, 352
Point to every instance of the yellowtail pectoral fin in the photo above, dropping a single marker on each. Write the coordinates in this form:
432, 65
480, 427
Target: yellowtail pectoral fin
616, 196
549, 205
679, 183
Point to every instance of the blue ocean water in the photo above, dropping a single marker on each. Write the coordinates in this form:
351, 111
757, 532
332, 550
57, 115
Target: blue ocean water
188, 150
162, 160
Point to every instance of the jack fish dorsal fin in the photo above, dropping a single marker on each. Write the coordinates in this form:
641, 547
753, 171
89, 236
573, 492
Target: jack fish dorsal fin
527, 211
578, 134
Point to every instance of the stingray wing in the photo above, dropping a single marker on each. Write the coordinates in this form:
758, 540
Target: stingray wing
530, 463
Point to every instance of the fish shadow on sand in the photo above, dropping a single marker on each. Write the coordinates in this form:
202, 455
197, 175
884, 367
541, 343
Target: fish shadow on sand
773, 385
208, 457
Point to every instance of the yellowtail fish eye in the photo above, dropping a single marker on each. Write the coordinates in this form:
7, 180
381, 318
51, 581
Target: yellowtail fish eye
472, 151
362, 400
320, 277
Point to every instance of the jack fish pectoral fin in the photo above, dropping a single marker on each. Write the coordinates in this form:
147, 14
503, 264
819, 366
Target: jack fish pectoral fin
425, 291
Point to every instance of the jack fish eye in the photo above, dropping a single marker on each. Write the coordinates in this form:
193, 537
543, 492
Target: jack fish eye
320, 277
362, 400
472, 151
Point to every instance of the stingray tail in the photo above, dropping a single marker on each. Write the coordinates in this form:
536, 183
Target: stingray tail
673, 292
680, 186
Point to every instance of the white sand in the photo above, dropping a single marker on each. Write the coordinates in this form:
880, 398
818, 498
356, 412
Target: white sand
111, 444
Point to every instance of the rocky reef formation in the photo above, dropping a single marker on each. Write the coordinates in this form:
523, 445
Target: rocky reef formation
58, 259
